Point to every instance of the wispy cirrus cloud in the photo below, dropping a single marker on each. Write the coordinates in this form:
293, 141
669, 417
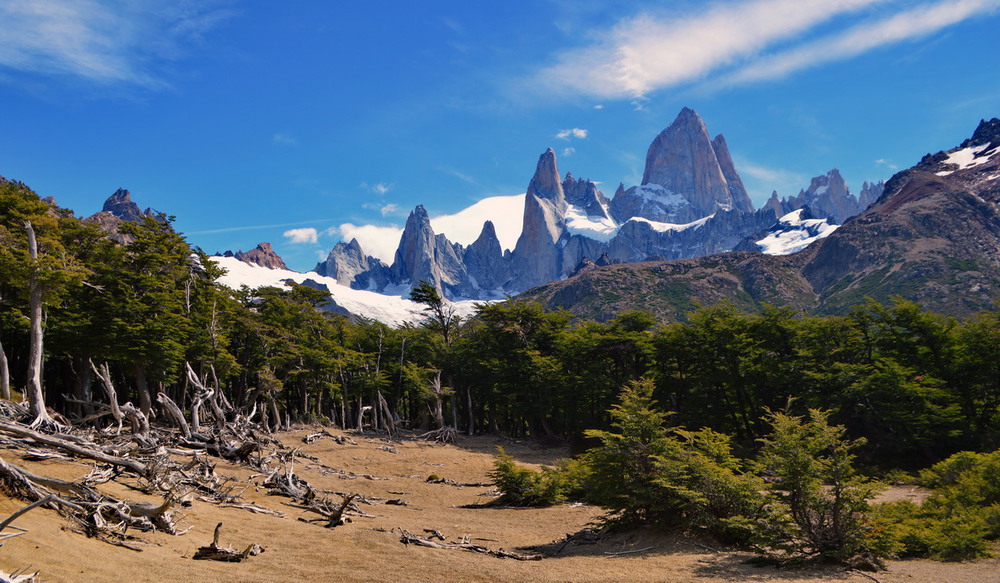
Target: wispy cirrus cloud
378, 187
284, 139
909, 24
741, 41
105, 42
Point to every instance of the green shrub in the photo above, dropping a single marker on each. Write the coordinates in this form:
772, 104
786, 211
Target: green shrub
959, 518
644, 473
928, 534
826, 499
520, 486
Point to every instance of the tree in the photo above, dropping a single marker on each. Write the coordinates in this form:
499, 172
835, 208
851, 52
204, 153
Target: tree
645, 473
40, 263
827, 500
442, 313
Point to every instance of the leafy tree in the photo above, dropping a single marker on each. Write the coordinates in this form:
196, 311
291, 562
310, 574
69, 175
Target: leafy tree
33, 257
827, 500
645, 473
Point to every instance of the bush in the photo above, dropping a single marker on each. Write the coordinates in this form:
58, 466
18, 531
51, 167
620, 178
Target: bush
520, 486
961, 515
827, 500
927, 534
644, 473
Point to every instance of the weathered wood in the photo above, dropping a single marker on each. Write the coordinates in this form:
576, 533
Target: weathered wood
22, 431
214, 552
140, 425
464, 544
391, 429
4, 375
444, 434
109, 389
36, 398
174, 413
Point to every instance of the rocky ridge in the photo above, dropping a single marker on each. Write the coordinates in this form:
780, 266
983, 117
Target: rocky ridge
933, 236
263, 255
691, 203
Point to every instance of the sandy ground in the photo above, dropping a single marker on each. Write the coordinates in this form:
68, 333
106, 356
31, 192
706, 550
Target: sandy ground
369, 550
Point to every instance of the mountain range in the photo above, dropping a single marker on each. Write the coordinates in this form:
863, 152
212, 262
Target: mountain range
691, 203
932, 236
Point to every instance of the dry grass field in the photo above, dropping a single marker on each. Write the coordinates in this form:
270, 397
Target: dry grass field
369, 548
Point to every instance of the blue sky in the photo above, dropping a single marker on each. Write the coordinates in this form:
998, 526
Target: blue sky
283, 121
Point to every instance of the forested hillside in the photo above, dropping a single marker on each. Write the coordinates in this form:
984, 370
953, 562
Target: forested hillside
919, 386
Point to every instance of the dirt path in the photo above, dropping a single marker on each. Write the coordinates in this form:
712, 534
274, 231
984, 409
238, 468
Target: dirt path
368, 549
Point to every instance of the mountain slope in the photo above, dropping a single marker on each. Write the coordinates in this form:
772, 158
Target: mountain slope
691, 203
933, 237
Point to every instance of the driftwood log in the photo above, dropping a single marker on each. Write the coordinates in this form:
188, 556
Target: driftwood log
408, 538
214, 552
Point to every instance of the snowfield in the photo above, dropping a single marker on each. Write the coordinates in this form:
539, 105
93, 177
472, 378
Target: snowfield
390, 309
795, 235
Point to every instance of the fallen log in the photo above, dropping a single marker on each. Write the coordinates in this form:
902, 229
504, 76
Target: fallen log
406, 537
214, 552
22, 431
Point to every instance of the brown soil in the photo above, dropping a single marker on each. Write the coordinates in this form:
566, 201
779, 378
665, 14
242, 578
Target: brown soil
368, 550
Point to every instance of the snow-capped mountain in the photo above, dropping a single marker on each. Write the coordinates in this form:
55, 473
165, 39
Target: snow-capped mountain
387, 308
691, 203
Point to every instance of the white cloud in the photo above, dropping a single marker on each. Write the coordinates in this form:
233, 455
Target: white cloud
573, 133
598, 106
762, 180
101, 41
886, 163
506, 213
386, 209
378, 188
284, 139
304, 235
376, 241
567, 152
909, 24
651, 51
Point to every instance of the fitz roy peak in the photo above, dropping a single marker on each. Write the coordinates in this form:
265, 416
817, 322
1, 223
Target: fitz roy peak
691, 203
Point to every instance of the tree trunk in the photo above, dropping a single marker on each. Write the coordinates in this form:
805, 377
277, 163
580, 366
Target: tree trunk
36, 398
83, 388
104, 374
4, 375
142, 386
468, 404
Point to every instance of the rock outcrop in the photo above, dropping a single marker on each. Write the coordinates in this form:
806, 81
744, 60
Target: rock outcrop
263, 255
537, 256
932, 237
348, 264
424, 256
691, 203
117, 208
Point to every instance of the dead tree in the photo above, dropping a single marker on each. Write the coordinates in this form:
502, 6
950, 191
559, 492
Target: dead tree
391, 429
36, 398
4, 375
109, 389
208, 395
214, 552
174, 413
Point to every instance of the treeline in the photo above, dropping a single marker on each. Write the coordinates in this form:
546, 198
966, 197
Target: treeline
916, 385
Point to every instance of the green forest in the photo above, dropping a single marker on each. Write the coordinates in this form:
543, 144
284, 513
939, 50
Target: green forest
83, 312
